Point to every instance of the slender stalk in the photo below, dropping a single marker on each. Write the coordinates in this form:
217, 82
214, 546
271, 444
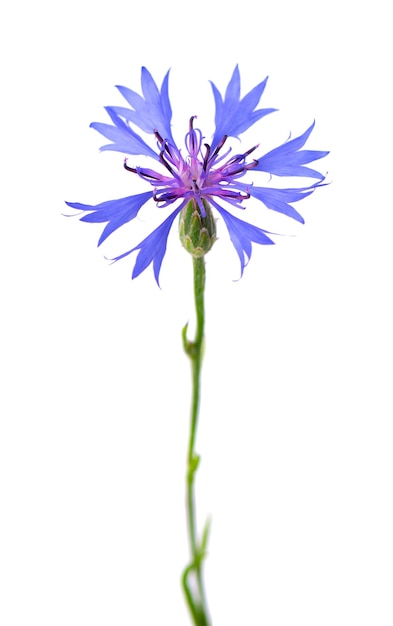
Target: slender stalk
194, 589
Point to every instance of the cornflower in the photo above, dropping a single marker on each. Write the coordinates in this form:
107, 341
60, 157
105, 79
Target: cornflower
206, 176
193, 183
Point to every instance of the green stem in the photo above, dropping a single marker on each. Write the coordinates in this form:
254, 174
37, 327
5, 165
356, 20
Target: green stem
195, 594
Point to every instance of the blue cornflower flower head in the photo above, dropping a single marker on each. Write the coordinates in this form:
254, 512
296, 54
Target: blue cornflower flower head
204, 176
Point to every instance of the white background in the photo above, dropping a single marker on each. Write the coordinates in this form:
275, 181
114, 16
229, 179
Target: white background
296, 420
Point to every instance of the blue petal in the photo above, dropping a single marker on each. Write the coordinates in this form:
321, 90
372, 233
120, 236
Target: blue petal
115, 212
132, 116
242, 234
152, 111
234, 116
288, 159
279, 199
153, 248
232, 93
166, 106
123, 137
149, 87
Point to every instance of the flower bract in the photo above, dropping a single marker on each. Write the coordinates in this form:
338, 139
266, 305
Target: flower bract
204, 173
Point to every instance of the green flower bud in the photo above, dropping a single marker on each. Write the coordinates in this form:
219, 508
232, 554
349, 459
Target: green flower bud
197, 233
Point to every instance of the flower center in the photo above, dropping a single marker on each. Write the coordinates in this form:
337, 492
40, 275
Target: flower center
200, 176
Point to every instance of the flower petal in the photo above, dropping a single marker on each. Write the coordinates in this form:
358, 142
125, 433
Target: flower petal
234, 116
153, 111
123, 137
153, 248
242, 234
232, 93
279, 199
288, 159
115, 212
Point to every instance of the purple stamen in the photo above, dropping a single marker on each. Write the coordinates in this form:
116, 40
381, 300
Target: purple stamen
196, 178
128, 168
